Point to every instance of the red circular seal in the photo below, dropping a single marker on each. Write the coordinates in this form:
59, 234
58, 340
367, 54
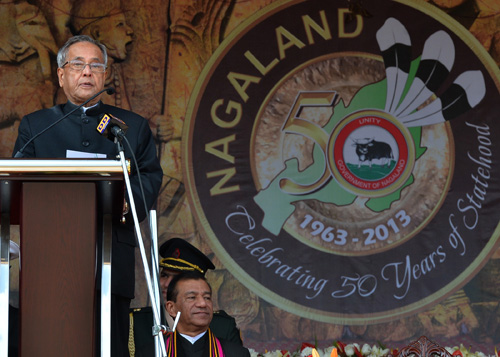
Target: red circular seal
371, 153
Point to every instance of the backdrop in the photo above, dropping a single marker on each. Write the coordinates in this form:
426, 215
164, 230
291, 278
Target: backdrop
336, 160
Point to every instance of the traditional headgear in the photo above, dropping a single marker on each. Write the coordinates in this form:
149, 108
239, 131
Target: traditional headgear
179, 255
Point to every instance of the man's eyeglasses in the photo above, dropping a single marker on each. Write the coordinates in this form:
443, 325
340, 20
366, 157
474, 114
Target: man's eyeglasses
80, 66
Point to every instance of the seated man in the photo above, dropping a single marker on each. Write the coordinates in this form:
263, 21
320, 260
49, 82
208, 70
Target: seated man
178, 256
190, 295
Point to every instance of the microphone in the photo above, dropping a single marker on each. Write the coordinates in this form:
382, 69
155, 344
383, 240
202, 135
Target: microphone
111, 127
109, 91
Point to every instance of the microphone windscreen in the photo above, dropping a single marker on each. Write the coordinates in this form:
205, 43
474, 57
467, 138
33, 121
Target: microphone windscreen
109, 121
110, 90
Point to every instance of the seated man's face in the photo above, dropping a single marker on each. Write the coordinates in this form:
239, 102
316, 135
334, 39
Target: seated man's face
194, 302
166, 277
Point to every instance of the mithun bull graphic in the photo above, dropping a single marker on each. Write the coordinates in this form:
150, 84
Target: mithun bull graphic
369, 149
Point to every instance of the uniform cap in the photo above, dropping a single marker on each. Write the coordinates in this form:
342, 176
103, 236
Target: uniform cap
179, 255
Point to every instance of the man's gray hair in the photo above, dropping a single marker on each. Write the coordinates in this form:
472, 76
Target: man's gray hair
63, 52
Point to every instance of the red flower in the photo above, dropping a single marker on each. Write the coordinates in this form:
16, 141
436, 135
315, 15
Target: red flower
457, 353
357, 352
305, 345
394, 352
340, 346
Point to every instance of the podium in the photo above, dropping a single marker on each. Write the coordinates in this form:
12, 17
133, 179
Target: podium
65, 209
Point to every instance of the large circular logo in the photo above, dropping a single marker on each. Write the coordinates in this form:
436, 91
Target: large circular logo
341, 166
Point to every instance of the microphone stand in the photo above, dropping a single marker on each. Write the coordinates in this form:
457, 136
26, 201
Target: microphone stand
157, 327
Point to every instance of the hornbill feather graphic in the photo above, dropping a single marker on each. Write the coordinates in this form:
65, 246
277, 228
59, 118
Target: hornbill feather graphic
395, 44
465, 93
436, 62
435, 65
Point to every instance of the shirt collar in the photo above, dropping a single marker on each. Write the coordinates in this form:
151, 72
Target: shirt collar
90, 111
193, 339
92, 106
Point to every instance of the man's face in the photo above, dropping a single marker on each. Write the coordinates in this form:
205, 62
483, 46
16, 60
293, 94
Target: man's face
81, 85
194, 302
166, 277
115, 34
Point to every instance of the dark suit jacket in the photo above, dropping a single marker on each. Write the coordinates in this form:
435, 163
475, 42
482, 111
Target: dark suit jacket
78, 132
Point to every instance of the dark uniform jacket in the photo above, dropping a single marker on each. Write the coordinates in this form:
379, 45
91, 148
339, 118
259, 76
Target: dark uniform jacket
78, 132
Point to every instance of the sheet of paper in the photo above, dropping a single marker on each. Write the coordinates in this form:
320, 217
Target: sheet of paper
72, 154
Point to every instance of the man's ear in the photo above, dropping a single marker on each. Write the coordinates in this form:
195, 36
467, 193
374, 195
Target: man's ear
171, 308
60, 75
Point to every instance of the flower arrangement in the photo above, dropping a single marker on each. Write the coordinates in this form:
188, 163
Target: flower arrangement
340, 349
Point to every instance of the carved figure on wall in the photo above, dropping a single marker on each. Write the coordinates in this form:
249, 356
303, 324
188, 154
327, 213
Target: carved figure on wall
34, 30
57, 13
26, 45
13, 48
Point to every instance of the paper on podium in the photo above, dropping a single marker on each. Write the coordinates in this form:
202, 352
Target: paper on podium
72, 154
